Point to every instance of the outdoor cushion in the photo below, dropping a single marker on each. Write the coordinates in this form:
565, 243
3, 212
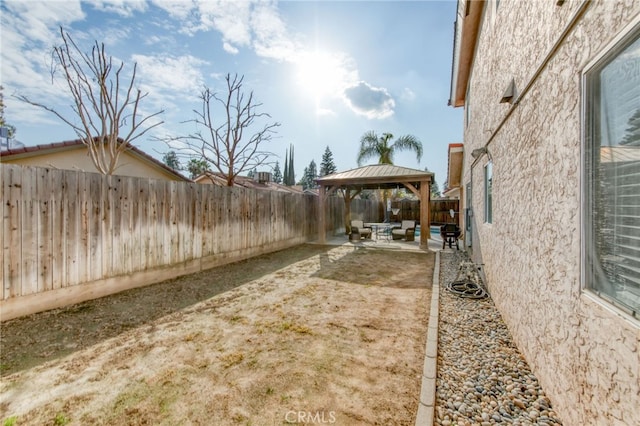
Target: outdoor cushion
357, 226
406, 231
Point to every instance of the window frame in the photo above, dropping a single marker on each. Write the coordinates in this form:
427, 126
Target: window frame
605, 56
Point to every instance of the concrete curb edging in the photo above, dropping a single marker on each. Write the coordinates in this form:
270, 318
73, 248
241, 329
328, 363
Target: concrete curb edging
426, 406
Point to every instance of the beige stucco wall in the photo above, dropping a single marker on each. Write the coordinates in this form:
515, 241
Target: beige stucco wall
584, 352
77, 158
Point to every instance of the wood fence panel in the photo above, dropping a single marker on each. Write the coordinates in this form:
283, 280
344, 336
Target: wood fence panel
109, 192
70, 236
96, 194
207, 220
12, 252
117, 249
174, 224
128, 236
168, 225
143, 225
84, 236
58, 247
153, 230
29, 232
196, 228
4, 232
135, 244
45, 244
65, 228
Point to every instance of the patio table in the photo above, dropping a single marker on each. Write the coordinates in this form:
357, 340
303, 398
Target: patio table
378, 227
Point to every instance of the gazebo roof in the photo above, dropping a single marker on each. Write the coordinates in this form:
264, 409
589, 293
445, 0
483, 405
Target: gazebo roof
376, 176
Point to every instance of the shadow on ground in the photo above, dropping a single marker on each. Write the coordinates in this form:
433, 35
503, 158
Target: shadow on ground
35, 339
379, 267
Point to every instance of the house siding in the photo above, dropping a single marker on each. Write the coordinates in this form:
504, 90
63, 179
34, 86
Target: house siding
584, 352
77, 158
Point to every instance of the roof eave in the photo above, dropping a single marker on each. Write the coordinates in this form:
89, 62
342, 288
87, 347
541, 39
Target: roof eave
469, 14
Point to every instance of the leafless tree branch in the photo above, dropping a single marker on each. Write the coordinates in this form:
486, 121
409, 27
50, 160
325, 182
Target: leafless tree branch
108, 123
221, 142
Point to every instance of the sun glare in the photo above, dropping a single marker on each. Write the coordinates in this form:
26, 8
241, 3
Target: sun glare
322, 75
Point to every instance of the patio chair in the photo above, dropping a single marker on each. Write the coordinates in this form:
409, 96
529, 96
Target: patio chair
407, 230
358, 228
450, 233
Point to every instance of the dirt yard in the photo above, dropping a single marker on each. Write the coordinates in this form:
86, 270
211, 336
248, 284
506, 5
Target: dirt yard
308, 335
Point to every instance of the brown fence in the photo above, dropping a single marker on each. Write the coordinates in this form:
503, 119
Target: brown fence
70, 236
439, 213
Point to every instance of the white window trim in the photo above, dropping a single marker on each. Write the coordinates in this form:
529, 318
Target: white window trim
606, 303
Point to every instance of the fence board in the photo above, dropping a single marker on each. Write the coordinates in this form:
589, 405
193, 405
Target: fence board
83, 241
71, 225
58, 258
107, 221
45, 218
29, 233
12, 182
95, 196
135, 210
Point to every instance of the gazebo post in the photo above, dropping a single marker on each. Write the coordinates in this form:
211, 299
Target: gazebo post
425, 202
322, 236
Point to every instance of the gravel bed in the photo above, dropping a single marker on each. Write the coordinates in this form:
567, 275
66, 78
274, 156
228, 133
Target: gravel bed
482, 377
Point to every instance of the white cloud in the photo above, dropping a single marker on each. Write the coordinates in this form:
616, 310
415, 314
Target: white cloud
230, 49
271, 39
325, 112
408, 94
179, 75
124, 8
38, 21
178, 9
28, 30
369, 101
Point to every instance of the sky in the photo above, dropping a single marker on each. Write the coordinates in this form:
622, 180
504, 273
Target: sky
326, 71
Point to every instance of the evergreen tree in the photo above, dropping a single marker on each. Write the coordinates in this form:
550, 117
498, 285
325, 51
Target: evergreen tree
289, 177
327, 166
252, 174
303, 182
10, 129
171, 159
285, 178
435, 189
312, 175
196, 167
292, 174
309, 176
632, 137
277, 174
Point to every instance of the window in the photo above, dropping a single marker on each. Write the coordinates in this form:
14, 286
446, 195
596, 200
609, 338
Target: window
488, 189
612, 174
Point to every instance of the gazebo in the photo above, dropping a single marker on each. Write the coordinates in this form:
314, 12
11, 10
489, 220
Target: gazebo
378, 176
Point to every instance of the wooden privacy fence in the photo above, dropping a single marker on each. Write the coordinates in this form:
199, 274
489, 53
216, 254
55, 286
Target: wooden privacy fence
69, 236
439, 211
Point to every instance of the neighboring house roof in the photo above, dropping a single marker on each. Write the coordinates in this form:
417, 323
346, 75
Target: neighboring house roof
15, 154
619, 154
246, 182
454, 169
464, 46
376, 176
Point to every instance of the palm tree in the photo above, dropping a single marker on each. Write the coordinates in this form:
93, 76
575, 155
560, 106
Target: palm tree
372, 145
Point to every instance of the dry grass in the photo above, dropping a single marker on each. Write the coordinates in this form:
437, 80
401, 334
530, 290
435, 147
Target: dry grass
333, 332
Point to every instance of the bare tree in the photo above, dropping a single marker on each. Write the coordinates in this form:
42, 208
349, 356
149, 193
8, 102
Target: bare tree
222, 141
105, 102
